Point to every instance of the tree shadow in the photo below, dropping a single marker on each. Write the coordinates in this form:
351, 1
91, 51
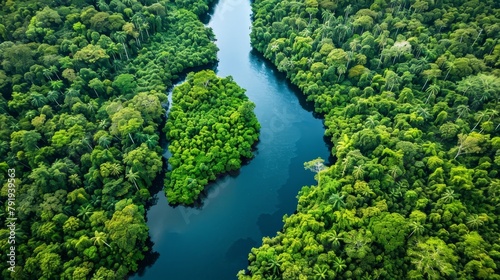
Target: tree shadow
150, 257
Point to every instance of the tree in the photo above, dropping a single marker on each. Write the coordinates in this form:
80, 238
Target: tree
120, 36
85, 211
311, 9
432, 258
450, 66
474, 221
334, 238
448, 196
17, 58
100, 238
339, 265
96, 85
144, 159
432, 73
469, 143
337, 201
432, 90
463, 111
125, 122
91, 54
320, 272
316, 166
132, 177
125, 83
416, 228
341, 69
358, 172
389, 230
274, 266
127, 229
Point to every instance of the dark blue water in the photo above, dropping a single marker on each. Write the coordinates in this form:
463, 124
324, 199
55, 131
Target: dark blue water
213, 241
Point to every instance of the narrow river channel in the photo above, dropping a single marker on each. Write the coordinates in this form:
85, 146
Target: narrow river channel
213, 240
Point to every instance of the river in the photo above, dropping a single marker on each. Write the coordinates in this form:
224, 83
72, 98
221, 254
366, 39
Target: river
213, 240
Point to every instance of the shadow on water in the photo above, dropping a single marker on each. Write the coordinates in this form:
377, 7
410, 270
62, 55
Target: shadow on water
239, 249
150, 258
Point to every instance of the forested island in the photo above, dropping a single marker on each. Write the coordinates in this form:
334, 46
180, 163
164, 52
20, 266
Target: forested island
211, 127
410, 95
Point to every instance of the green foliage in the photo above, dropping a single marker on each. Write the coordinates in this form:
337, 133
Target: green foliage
211, 127
80, 122
409, 93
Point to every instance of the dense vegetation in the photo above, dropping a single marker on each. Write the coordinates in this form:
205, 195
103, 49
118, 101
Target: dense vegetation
82, 87
410, 93
211, 127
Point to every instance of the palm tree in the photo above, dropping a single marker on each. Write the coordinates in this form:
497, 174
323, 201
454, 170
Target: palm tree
347, 10
37, 99
337, 201
151, 141
480, 115
358, 172
74, 180
47, 74
85, 211
474, 221
350, 57
71, 92
53, 95
450, 66
112, 49
435, 217
104, 141
334, 238
418, 228
274, 266
463, 110
115, 169
132, 177
145, 26
345, 162
432, 90
53, 70
85, 141
100, 238
395, 171
492, 113
339, 265
354, 45
320, 272
370, 122
56, 85
423, 112
120, 36
392, 79
430, 74
103, 72
341, 69
396, 192
448, 196
103, 6
103, 124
